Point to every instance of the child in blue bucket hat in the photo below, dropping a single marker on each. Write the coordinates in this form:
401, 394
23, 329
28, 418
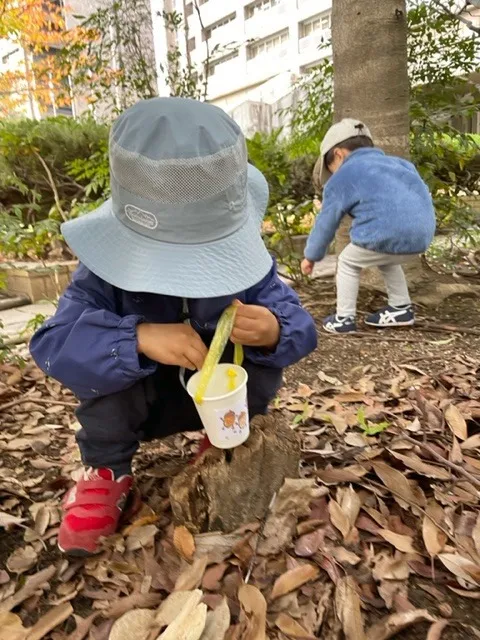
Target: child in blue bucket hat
177, 243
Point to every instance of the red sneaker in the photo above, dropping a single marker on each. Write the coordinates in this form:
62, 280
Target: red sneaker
204, 445
92, 510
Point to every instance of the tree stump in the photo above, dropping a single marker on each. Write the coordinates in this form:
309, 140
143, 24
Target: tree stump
226, 489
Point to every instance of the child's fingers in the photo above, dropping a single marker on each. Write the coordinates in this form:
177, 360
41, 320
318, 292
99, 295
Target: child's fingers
244, 323
247, 338
195, 356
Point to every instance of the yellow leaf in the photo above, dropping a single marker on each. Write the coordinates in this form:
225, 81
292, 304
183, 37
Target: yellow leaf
400, 542
293, 579
292, 628
255, 607
433, 537
184, 543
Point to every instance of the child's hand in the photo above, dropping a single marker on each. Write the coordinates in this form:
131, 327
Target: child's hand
175, 345
255, 326
307, 267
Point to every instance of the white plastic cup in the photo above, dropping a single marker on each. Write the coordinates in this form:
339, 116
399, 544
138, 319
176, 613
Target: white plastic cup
224, 413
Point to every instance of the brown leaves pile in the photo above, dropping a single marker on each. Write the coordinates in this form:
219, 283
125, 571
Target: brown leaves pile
377, 510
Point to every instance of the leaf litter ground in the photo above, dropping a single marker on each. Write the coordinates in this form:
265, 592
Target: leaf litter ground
378, 538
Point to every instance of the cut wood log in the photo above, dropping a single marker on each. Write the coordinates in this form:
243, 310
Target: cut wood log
225, 489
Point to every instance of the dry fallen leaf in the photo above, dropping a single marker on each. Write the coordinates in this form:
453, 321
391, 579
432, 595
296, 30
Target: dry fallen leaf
291, 628
218, 622
339, 518
347, 604
32, 584
7, 520
177, 602
217, 546
141, 537
188, 625
433, 538
11, 627
399, 486
292, 502
184, 543
22, 559
192, 576
391, 625
293, 579
343, 556
254, 606
461, 567
436, 630
350, 503
471, 443
429, 470
213, 576
455, 453
56, 616
307, 545
402, 543
476, 534
456, 422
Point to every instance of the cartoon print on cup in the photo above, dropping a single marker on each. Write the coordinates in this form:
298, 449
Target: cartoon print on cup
233, 421
242, 419
229, 419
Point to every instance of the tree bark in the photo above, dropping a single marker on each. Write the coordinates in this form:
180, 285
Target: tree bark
370, 65
224, 490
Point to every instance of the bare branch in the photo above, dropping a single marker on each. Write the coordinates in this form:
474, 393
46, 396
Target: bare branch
445, 10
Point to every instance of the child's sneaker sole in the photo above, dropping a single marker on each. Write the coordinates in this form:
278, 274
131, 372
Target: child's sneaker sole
390, 326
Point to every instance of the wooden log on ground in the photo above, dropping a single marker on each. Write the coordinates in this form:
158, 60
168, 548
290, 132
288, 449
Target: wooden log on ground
224, 490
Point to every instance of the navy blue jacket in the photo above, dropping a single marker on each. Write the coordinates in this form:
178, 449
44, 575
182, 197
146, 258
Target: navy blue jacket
90, 344
390, 205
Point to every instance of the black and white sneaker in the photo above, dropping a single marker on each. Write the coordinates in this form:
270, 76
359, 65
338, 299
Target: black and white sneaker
339, 324
391, 317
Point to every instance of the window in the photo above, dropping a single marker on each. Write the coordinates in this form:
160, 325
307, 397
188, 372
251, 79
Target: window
267, 45
321, 22
213, 65
260, 5
191, 45
202, 2
207, 34
189, 9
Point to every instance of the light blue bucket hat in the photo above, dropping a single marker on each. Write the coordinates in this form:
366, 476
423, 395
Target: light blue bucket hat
186, 208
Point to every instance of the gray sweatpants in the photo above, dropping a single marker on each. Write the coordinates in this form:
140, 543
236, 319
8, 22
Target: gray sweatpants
349, 268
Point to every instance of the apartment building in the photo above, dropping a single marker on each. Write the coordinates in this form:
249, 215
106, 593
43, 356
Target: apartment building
255, 48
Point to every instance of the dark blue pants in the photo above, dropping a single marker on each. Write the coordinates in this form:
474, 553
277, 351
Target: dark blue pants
156, 407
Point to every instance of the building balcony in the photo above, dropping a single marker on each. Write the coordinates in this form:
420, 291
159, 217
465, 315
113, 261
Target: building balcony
267, 22
229, 34
308, 8
211, 11
314, 41
226, 77
268, 64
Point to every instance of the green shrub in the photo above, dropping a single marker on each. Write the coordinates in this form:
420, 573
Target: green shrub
50, 170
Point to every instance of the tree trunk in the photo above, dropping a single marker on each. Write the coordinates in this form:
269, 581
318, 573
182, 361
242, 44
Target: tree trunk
224, 490
370, 65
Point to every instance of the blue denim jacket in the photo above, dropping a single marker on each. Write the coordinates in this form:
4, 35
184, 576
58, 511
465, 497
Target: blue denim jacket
390, 205
90, 344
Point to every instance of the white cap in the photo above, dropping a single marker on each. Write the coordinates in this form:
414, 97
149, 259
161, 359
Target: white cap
339, 132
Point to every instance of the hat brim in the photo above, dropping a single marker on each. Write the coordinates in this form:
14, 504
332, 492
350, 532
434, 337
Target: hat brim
134, 262
321, 174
